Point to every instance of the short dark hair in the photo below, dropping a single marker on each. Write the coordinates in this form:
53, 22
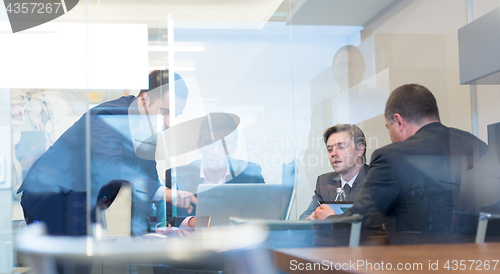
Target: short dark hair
158, 78
354, 131
413, 102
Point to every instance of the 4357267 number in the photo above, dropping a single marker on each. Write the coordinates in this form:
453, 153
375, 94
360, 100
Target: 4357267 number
471, 264
33, 7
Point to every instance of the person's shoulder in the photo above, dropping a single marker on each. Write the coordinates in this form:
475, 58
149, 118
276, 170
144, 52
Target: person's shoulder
329, 176
195, 165
364, 169
466, 142
251, 165
454, 136
246, 168
388, 149
124, 100
464, 134
422, 136
244, 165
117, 106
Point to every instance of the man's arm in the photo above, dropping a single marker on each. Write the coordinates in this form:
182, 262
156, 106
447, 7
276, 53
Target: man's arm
379, 194
314, 203
107, 150
185, 197
114, 159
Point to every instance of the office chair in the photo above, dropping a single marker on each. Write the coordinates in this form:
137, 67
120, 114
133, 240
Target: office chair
482, 225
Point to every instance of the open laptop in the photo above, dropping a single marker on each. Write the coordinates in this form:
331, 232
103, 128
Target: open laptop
254, 201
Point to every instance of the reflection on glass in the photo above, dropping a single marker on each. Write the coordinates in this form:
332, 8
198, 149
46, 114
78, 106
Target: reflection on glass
356, 100
217, 142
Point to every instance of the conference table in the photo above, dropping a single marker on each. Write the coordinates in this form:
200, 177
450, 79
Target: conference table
463, 258
232, 247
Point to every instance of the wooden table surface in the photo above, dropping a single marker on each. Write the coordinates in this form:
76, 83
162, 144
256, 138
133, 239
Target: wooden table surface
463, 258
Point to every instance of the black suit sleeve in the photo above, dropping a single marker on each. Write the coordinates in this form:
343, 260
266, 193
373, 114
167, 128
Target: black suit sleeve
181, 212
379, 193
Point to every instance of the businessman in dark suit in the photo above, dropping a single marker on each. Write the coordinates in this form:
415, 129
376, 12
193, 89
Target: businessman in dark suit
430, 183
215, 167
346, 146
54, 190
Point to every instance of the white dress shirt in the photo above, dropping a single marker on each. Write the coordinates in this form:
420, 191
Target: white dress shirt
350, 182
185, 222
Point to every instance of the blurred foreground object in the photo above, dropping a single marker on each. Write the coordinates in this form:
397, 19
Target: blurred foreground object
237, 249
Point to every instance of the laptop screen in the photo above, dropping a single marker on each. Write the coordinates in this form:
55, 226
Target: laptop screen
255, 201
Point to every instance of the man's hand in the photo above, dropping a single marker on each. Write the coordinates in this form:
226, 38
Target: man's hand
192, 222
184, 199
323, 211
311, 217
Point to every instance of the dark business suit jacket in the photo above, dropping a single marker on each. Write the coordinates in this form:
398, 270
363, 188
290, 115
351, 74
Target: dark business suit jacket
188, 179
326, 189
427, 187
62, 170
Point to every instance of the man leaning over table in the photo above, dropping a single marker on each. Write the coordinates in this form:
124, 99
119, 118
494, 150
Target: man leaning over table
55, 186
429, 185
346, 146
